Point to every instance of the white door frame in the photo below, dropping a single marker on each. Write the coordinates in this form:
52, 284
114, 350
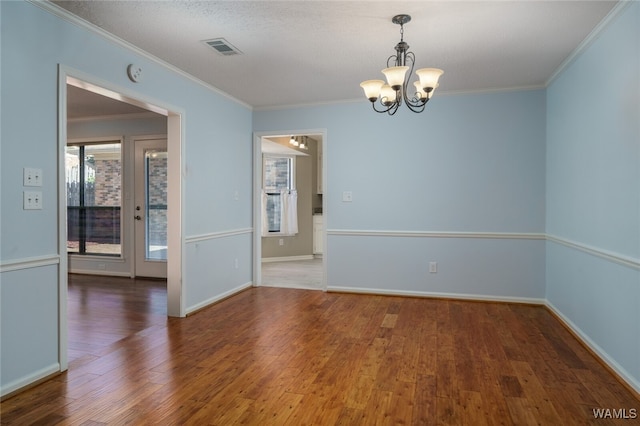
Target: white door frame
142, 266
257, 198
175, 146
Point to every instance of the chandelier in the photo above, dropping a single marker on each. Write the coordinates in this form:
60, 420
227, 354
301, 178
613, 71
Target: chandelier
397, 89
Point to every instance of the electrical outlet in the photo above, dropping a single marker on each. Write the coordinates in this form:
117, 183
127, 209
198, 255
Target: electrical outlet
281, 241
32, 200
235, 263
433, 267
347, 196
32, 177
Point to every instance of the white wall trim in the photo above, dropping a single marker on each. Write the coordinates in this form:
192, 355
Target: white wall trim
75, 20
287, 258
100, 272
30, 379
29, 262
216, 235
437, 234
63, 269
602, 354
603, 254
424, 294
136, 116
217, 298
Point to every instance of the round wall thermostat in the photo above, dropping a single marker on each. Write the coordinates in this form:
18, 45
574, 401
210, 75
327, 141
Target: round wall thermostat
134, 72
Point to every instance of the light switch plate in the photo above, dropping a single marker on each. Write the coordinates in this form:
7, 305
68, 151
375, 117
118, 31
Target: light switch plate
32, 177
32, 200
347, 196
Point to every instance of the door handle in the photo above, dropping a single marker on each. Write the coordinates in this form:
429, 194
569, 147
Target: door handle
137, 217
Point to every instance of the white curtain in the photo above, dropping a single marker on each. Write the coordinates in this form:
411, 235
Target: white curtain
289, 212
265, 219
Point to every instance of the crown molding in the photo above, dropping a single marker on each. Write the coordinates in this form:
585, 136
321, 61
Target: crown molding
590, 39
75, 20
443, 93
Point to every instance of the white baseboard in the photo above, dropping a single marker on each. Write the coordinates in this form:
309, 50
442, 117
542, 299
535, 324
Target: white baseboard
460, 296
596, 349
29, 380
287, 258
100, 272
225, 295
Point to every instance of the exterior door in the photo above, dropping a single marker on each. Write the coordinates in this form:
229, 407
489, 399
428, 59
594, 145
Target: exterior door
150, 208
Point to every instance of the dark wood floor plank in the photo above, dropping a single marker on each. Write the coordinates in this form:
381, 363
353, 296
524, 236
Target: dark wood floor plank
271, 356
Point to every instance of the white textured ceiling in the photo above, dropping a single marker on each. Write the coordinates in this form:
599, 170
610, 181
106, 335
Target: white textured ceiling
302, 52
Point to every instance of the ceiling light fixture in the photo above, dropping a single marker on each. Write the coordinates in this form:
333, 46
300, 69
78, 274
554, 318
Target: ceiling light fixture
304, 143
299, 142
396, 89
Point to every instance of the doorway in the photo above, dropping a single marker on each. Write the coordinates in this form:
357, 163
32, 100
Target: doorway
298, 259
150, 215
68, 77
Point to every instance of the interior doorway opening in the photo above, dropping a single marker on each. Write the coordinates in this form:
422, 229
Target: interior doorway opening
71, 80
289, 170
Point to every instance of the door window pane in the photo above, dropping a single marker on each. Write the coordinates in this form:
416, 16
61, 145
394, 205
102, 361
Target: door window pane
156, 202
278, 176
94, 187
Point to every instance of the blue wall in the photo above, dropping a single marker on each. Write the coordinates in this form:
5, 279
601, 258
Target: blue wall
593, 194
217, 163
470, 169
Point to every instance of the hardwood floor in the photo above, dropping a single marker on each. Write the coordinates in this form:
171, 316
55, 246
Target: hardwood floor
277, 356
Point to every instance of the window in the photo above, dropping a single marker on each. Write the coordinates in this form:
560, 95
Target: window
278, 176
94, 187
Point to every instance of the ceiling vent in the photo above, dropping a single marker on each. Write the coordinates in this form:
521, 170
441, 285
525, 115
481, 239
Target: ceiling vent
223, 47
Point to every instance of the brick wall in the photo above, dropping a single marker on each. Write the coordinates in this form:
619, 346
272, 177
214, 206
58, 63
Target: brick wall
108, 183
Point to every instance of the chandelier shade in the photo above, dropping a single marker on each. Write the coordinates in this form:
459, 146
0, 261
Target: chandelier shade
395, 76
372, 89
388, 95
399, 69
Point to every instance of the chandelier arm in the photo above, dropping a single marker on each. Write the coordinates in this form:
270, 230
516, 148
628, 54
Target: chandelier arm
409, 101
415, 101
412, 58
386, 109
417, 107
392, 61
393, 108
